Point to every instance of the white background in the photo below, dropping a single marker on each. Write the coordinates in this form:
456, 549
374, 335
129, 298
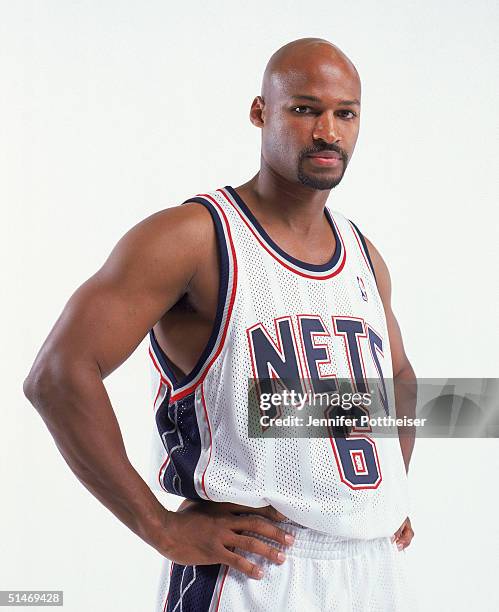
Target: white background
111, 110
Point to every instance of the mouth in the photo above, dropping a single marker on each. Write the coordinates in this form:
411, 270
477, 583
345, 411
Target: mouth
329, 159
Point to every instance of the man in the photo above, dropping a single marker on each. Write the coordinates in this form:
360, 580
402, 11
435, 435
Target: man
252, 282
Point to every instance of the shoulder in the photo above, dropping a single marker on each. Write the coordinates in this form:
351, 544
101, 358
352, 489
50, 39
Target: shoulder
169, 242
186, 224
189, 220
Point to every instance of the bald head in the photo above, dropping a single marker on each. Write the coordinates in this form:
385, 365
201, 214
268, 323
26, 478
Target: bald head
303, 59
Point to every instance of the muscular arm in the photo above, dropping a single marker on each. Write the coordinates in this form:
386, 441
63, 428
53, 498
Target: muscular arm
403, 374
151, 267
103, 322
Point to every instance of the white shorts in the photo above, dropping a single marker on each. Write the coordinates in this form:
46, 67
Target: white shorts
321, 573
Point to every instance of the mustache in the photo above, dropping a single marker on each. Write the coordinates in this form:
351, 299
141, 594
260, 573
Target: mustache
325, 147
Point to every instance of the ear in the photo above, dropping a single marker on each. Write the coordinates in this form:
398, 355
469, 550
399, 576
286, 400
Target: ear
257, 112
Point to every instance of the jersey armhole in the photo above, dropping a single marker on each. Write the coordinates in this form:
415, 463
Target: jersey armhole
225, 297
363, 248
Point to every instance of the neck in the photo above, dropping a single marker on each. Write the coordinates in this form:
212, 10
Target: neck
273, 197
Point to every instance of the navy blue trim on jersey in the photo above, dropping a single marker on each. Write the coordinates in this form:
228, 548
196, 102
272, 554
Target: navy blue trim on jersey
179, 431
223, 260
162, 358
364, 244
302, 264
193, 585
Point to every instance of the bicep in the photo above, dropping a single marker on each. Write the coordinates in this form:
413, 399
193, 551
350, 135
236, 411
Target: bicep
103, 322
109, 314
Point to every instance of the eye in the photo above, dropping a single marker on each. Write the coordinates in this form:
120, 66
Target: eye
347, 112
302, 110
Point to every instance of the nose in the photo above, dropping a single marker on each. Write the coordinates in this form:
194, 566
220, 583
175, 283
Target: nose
326, 128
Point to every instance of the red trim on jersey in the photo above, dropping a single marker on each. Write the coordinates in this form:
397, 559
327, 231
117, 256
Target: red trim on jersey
207, 366
203, 402
160, 371
221, 587
169, 586
160, 386
162, 380
283, 263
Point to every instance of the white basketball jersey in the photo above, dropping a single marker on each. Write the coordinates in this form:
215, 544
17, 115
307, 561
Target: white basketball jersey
279, 315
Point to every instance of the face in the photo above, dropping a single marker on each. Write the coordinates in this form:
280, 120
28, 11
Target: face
310, 121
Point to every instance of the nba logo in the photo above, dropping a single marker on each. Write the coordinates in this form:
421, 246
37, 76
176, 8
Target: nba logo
362, 288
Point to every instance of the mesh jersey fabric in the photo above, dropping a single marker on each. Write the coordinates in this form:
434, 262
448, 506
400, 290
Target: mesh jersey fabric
203, 450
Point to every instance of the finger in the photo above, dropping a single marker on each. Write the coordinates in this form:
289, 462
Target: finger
268, 511
253, 545
396, 535
405, 539
242, 564
399, 531
262, 527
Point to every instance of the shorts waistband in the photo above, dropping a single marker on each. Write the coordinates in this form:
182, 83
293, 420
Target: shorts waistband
319, 545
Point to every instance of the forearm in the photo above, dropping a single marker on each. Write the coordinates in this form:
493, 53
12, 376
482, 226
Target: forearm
405, 384
78, 413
